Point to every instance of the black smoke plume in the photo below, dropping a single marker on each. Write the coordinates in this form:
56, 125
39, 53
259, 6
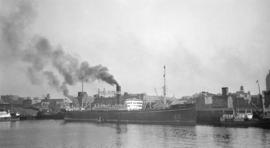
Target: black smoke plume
42, 59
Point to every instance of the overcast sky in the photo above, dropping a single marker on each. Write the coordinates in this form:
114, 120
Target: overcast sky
205, 45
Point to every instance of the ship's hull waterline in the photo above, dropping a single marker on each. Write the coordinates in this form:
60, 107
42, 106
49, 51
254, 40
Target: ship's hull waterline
185, 116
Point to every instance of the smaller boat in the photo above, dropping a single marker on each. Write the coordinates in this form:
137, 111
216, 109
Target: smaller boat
7, 116
247, 119
243, 120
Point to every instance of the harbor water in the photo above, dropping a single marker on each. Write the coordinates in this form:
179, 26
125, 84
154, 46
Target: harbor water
59, 134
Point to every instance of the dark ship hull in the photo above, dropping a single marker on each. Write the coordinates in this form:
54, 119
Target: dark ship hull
209, 117
176, 116
58, 115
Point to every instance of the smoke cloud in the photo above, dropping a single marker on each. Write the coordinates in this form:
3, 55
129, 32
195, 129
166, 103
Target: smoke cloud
42, 59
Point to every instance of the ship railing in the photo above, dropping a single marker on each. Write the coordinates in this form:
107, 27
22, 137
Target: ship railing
109, 107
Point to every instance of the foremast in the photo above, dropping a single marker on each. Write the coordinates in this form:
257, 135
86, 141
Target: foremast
164, 86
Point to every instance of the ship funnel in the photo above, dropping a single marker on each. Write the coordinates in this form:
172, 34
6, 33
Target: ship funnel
118, 93
118, 89
81, 97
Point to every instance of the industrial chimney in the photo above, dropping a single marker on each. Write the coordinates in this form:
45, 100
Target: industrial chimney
242, 88
225, 91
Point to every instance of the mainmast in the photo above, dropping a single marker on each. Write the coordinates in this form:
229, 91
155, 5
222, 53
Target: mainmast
164, 87
81, 96
82, 85
259, 87
260, 96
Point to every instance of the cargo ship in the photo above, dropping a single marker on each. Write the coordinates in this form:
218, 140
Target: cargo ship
119, 109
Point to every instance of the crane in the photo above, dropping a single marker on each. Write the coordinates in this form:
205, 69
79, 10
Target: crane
156, 92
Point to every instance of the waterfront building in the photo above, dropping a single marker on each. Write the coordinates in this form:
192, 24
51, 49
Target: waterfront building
36, 100
27, 102
210, 106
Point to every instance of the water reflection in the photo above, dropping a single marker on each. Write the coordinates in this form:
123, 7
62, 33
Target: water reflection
265, 134
121, 128
154, 135
8, 124
51, 133
222, 136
